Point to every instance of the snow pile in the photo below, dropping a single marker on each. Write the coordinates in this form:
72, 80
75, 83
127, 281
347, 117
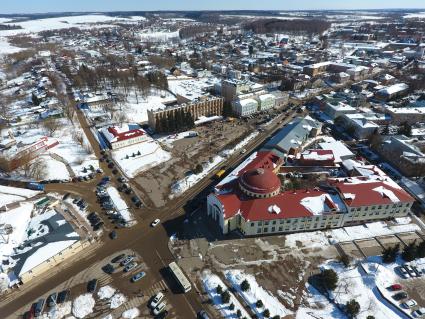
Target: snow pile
106, 292
120, 205
241, 144
131, 313
108, 317
4, 282
210, 282
83, 306
59, 311
189, 181
117, 300
256, 292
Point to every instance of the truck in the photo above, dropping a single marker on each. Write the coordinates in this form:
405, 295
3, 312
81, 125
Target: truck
35, 186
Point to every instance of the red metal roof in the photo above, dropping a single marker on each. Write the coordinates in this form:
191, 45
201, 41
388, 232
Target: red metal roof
260, 181
121, 136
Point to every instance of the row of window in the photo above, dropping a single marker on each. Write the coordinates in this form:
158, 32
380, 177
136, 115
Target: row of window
295, 220
388, 206
289, 228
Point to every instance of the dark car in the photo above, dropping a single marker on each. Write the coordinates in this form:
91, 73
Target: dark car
128, 191
399, 296
135, 199
118, 258
111, 165
162, 315
113, 234
114, 171
39, 307
109, 269
92, 285
28, 315
51, 300
98, 226
63, 296
121, 179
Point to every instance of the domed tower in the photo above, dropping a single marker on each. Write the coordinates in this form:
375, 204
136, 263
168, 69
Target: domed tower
260, 183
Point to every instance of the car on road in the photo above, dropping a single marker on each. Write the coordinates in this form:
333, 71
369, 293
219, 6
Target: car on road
51, 300
203, 315
118, 258
138, 276
400, 295
155, 222
156, 300
419, 313
160, 308
92, 285
113, 234
130, 266
63, 296
409, 304
127, 260
109, 269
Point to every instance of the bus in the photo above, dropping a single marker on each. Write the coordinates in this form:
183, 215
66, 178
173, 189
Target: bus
180, 277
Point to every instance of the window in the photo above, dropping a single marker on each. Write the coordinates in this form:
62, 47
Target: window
281, 221
366, 208
266, 230
274, 222
260, 223
258, 230
280, 228
266, 223
273, 229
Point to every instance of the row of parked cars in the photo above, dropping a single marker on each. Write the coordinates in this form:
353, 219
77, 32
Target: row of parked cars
406, 302
52, 300
128, 262
408, 271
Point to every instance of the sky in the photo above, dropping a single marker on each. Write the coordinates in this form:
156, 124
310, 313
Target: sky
41, 6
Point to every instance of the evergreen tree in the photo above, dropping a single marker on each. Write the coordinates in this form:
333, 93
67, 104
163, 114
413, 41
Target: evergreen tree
352, 308
35, 100
409, 252
389, 254
328, 279
245, 285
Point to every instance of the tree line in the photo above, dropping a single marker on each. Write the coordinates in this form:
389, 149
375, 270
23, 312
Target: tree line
313, 26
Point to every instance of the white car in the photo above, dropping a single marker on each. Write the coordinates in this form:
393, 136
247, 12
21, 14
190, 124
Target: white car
420, 313
160, 308
409, 303
155, 222
156, 299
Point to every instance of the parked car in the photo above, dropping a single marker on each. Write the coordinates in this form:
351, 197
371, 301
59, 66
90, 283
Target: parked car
113, 234
118, 258
127, 260
109, 269
417, 271
155, 222
66, 196
400, 295
396, 287
409, 303
130, 266
51, 300
419, 313
63, 296
162, 315
39, 307
138, 276
203, 315
156, 299
160, 308
92, 285
403, 273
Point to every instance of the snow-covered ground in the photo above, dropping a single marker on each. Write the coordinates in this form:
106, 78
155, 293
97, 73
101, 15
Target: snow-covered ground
189, 181
255, 293
117, 300
211, 281
136, 109
419, 15
319, 239
151, 154
106, 292
240, 145
131, 313
10, 194
170, 139
59, 311
158, 36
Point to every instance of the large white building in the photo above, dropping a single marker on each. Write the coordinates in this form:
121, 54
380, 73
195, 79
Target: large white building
245, 107
121, 136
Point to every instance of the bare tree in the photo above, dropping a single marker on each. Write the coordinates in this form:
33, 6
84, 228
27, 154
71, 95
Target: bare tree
51, 126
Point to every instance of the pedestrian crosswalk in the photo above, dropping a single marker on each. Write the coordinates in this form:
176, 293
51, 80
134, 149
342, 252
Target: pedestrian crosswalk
155, 288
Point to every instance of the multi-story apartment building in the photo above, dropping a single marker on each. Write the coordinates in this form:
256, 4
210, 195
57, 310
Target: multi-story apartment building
210, 106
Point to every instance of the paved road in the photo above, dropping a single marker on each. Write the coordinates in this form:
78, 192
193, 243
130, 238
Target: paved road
150, 243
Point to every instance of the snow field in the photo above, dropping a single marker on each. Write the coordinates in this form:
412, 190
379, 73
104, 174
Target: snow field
210, 282
254, 293
106, 292
83, 306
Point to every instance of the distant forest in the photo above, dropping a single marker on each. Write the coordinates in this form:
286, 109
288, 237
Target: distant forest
312, 26
9, 27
